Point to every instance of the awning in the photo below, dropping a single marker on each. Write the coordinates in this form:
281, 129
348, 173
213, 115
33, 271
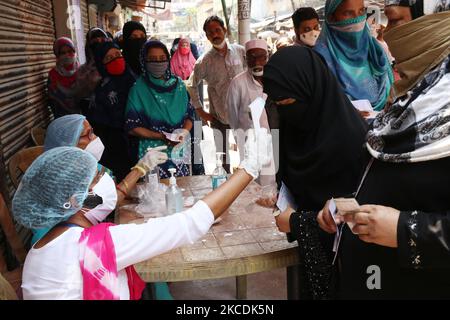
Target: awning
140, 5
104, 5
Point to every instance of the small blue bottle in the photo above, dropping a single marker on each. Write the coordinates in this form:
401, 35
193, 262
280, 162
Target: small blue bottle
219, 174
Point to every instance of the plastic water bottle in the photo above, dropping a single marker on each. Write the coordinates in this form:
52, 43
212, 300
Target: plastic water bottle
152, 178
219, 174
174, 196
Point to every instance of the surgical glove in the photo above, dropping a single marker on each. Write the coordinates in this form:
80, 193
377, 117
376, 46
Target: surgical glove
258, 151
153, 157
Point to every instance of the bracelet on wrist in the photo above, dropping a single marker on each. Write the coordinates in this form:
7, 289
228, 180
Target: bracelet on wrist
125, 184
140, 169
120, 189
276, 213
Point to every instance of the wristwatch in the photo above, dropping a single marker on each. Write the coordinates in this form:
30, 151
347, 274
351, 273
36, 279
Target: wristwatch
276, 213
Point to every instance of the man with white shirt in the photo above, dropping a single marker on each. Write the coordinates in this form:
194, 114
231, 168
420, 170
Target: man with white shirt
217, 67
244, 89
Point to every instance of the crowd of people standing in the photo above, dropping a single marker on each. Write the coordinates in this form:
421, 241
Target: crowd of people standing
123, 107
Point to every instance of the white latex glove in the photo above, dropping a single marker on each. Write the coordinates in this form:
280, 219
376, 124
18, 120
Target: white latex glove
154, 157
258, 151
182, 134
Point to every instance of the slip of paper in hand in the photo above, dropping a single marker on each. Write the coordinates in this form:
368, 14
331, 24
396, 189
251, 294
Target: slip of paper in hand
171, 136
346, 205
365, 106
342, 207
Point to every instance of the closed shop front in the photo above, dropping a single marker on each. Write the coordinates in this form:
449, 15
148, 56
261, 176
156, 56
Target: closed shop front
26, 55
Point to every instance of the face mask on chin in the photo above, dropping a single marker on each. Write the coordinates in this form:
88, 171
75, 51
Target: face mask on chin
258, 71
96, 148
103, 199
221, 45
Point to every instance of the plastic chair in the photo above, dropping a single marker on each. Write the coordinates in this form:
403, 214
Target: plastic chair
38, 135
6, 290
10, 281
20, 162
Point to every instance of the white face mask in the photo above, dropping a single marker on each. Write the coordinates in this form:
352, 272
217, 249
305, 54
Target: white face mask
258, 71
310, 38
106, 189
220, 45
96, 148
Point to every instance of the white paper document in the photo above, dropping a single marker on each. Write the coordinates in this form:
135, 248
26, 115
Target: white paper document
285, 199
171, 136
363, 105
337, 237
333, 208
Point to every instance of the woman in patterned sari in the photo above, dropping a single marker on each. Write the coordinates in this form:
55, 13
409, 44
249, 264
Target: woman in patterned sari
159, 111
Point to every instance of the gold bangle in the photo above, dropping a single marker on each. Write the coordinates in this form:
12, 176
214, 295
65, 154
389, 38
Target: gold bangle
119, 189
141, 170
127, 187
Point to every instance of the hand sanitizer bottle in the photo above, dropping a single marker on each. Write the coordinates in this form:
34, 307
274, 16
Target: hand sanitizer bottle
219, 174
174, 196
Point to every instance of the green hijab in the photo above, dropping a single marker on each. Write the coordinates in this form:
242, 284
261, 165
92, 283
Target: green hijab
160, 100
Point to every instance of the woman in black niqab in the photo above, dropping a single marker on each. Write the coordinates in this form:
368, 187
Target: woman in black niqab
132, 46
321, 133
321, 156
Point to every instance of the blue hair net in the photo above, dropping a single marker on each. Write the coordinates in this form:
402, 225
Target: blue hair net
64, 131
54, 187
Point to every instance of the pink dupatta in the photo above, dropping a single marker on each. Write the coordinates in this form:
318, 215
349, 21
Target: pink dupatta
99, 268
182, 65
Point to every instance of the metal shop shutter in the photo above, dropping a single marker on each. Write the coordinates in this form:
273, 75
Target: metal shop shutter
84, 15
27, 34
26, 56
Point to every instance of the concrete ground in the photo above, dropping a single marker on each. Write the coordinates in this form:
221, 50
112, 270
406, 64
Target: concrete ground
260, 286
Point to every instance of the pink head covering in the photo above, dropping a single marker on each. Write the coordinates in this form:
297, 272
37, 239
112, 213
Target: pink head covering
63, 73
182, 65
256, 44
184, 41
60, 42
